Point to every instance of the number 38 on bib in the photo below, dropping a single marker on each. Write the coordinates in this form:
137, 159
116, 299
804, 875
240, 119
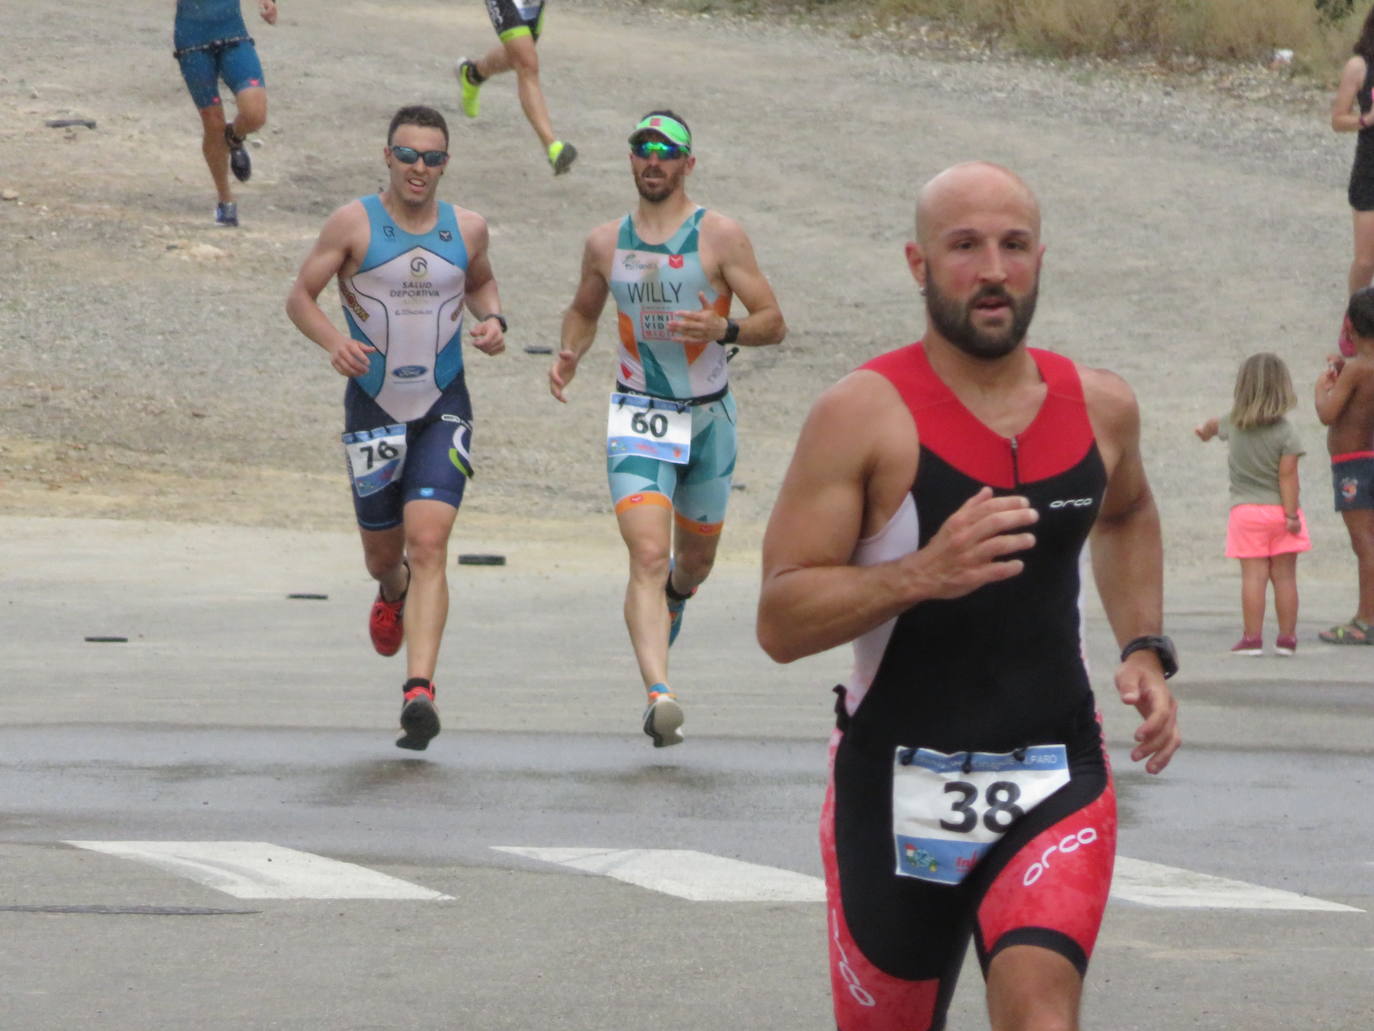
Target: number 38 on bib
947, 810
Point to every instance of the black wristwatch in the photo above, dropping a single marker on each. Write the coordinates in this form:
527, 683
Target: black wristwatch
498, 317
731, 332
1161, 646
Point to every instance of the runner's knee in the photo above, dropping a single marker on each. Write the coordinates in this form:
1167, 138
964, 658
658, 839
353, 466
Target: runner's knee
648, 556
381, 562
251, 116
426, 548
212, 118
692, 568
524, 61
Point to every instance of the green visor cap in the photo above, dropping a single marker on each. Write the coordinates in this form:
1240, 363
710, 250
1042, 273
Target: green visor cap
669, 128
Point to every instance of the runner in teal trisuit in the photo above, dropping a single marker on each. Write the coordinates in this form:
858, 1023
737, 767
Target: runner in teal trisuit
673, 267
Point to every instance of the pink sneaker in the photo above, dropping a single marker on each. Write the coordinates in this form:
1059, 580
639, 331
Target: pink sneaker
1248, 646
1285, 644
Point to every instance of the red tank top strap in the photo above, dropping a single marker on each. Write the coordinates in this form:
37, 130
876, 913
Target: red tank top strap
1057, 438
908, 369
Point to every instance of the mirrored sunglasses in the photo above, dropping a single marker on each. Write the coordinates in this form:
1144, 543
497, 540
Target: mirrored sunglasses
646, 149
409, 155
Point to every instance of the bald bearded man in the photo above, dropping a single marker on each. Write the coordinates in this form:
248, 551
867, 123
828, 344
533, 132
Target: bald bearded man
933, 514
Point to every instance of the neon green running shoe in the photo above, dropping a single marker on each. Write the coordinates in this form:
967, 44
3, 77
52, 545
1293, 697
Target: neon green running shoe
561, 156
469, 91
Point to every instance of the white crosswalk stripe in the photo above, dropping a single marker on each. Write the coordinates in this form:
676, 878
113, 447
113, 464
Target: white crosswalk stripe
697, 876
702, 877
258, 870
1168, 887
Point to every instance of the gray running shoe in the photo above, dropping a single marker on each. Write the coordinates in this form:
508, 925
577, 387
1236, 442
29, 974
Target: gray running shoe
663, 719
227, 214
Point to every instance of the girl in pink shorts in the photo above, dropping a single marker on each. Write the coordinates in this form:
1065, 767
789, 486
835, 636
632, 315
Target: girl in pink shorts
1266, 529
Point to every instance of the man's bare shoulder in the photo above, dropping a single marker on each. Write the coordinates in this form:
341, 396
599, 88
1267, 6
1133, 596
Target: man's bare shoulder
1108, 396
346, 232
470, 223
601, 240
722, 230
863, 409
348, 216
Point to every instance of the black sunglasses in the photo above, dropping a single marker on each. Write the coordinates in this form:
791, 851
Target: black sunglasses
409, 155
646, 149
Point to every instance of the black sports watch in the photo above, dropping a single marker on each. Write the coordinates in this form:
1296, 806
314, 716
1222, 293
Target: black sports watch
498, 317
731, 332
1161, 646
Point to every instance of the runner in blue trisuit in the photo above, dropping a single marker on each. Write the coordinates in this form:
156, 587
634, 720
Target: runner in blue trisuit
407, 265
211, 43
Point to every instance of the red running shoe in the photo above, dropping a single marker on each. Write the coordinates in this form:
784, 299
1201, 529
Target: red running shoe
385, 625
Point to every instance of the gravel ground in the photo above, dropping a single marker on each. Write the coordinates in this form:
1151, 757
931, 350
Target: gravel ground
149, 372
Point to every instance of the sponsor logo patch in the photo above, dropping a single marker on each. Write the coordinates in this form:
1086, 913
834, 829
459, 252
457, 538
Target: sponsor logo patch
1068, 843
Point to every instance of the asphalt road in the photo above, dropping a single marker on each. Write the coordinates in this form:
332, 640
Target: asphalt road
146, 371
235, 713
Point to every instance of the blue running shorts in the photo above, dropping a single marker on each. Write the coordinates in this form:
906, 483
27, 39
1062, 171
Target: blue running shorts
235, 61
435, 465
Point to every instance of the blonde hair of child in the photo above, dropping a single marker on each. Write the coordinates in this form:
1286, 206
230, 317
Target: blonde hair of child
1264, 392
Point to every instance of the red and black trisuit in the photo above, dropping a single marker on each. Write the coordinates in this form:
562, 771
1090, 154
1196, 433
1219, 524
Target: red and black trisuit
995, 671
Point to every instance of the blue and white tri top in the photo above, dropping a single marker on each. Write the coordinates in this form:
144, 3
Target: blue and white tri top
406, 300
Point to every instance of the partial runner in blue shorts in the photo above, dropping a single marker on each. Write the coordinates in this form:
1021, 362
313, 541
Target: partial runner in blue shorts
212, 43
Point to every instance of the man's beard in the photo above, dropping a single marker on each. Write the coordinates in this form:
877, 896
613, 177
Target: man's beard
955, 322
657, 189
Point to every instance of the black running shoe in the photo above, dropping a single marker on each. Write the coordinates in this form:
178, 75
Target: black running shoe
239, 161
419, 715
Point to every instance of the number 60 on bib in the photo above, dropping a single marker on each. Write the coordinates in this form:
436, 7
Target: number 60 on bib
649, 427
